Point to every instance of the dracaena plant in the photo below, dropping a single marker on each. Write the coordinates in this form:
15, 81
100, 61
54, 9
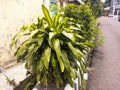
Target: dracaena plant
50, 50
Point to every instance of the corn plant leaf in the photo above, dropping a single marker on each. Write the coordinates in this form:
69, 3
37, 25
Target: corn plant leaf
22, 56
15, 39
72, 73
33, 33
38, 77
46, 56
89, 44
59, 27
45, 79
83, 66
21, 49
35, 48
52, 34
40, 39
75, 51
40, 22
53, 60
71, 36
58, 78
47, 15
27, 65
31, 27
56, 19
69, 79
59, 53
33, 40
30, 55
79, 36
30, 49
65, 59
57, 83
50, 43
34, 67
40, 65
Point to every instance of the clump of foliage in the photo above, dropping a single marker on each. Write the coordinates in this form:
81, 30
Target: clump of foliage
30, 85
96, 7
54, 46
107, 3
51, 50
91, 34
83, 16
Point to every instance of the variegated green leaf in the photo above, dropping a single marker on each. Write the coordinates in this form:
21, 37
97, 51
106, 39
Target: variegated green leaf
53, 60
72, 73
47, 15
46, 56
56, 19
70, 81
57, 82
40, 22
71, 36
58, 53
30, 55
40, 65
38, 77
40, 39
75, 51
83, 66
79, 36
50, 43
27, 65
21, 49
52, 34
65, 59
33, 33
22, 56
15, 39
45, 79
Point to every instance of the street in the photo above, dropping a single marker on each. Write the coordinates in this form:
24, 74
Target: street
106, 60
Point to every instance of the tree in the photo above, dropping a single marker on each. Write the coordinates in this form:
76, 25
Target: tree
61, 2
96, 6
107, 3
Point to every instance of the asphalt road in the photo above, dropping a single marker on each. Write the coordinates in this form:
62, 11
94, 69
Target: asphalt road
106, 62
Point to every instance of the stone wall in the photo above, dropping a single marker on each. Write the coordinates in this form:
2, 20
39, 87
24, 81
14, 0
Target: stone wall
13, 14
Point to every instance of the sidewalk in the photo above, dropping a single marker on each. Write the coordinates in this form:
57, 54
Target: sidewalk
17, 72
106, 61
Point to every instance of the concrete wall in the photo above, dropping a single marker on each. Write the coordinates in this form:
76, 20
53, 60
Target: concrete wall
13, 14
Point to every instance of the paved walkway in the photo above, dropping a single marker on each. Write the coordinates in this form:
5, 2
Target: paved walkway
106, 62
17, 72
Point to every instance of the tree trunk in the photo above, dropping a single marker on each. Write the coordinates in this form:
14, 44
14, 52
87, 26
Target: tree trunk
61, 3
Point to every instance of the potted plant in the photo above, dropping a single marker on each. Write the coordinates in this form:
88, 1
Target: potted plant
50, 49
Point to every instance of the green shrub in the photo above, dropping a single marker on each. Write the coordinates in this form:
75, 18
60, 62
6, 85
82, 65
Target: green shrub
51, 50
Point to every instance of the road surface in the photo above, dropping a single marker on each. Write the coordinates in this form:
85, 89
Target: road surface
106, 62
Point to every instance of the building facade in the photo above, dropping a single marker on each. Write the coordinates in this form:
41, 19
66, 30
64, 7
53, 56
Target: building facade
115, 7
